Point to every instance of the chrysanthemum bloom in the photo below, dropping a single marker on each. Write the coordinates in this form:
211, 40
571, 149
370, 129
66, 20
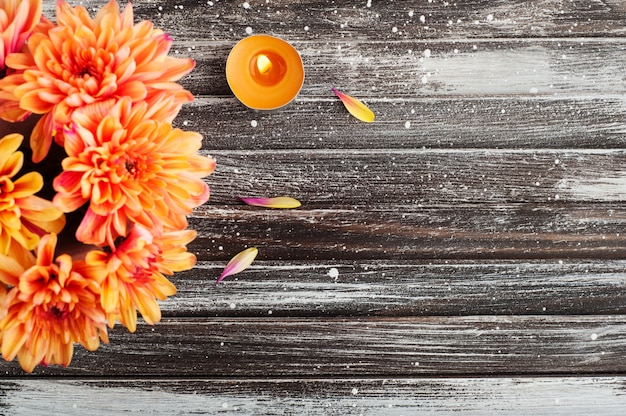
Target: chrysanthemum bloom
18, 19
53, 304
136, 271
24, 217
83, 61
130, 169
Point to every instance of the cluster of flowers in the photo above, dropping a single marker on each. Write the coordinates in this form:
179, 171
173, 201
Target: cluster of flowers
93, 207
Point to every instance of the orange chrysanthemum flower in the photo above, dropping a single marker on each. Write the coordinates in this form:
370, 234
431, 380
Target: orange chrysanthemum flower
136, 272
130, 169
24, 217
53, 304
83, 61
18, 19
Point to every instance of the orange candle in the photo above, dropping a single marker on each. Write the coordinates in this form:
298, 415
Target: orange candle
264, 72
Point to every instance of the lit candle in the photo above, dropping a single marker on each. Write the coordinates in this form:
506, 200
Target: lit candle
264, 72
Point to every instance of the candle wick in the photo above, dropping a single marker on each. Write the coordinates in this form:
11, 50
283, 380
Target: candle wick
263, 64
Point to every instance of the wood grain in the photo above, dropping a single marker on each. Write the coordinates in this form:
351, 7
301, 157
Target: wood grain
424, 176
402, 289
351, 347
374, 21
468, 68
413, 232
413, 123
558, 396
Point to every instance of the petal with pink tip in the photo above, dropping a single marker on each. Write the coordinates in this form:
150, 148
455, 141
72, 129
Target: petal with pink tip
239, 263
284, 202
355, 107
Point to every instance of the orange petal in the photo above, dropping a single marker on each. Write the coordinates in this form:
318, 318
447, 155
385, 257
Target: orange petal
285, 202
239, 263
355, 107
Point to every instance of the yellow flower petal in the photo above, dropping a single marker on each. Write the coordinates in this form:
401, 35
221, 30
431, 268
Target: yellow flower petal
239, 263
355, 107
284, 202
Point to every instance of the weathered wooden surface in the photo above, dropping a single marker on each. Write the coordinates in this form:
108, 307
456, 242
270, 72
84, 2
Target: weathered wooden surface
466, 252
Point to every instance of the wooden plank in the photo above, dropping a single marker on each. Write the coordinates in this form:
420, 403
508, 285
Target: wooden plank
412, 232
412, 123
336, 347
468, 68
427, 176
557, 396
375, 20
397, 289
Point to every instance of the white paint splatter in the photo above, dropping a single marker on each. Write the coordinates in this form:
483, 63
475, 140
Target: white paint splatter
254, 123
333, 272
248, 30
407, 125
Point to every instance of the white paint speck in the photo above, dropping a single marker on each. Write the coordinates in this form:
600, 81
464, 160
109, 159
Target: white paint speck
233, 305
306, 28
394, 29
594, 336
407, 125
423, 19
254, 123
411, 13
246, 5
355, 391
369, 3
489, 17
426, 53
248, 30
333, 273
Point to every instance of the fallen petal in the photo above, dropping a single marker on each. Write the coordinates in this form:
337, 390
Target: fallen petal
239, 263
355, 107
284, 202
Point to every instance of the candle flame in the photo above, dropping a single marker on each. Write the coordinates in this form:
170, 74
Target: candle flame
263, 64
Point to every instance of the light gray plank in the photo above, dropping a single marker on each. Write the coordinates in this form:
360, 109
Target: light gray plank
428, 176
415, 123
417, 68
396, 289
360, 396
351, 347
376, 20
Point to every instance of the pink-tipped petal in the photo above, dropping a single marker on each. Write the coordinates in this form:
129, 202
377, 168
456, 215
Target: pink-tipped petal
284, 202
355, 107
239, 263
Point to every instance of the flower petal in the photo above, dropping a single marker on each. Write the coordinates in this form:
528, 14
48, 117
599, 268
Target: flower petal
284, 202
355, 107
239, 263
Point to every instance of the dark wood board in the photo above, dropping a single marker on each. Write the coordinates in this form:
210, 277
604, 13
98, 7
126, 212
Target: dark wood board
384, 347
